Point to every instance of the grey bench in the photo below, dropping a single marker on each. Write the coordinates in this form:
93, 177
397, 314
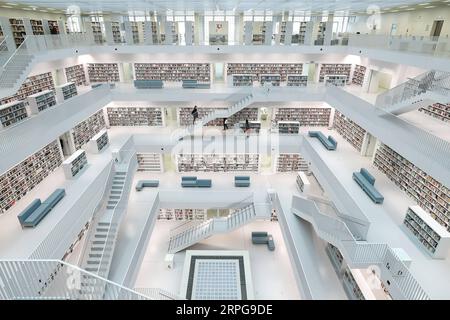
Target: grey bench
259, 237
187, 182
242, 181
146, 184
148, 84
28, 210
43, 209
366, 181
204, 183
328, 143
194, 84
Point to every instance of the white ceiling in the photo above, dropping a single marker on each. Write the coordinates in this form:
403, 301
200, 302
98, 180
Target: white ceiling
316, 6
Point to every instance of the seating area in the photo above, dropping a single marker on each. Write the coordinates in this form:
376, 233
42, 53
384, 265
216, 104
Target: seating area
36, 211
194, 84
328, 143
366, 181
262, 237
148, 84
193, 182
242, 181
146, 184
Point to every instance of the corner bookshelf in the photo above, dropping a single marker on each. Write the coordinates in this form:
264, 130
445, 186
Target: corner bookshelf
97, 32
74, 164
351, 286
40, 101
243, 80
85, 130
98, 142
336, 258
238, 162
302, 32
66, 91
288, 127
358, 75
274, 79
37, 27
18, 31
296, 80
256, 69
321, 33
30, 86
291, 162
334, 69
103, 72
428, 193
25, 176
150, 162
182, 214
282, 31
438, 110
349, 130
174, 72
432, 236
76, 75
53, 26
335, 80
306, 116
12, 113
135, 116
135, 31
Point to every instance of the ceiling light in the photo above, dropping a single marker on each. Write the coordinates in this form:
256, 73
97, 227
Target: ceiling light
424, 4
43, 10
429, 7
11, 4
394, 11
51, 9
27, 9
6, 7
403, 7
410, 9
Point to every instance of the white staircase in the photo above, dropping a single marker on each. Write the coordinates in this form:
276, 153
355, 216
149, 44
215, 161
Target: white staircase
427, 88
361, 254
197, 127
193, 232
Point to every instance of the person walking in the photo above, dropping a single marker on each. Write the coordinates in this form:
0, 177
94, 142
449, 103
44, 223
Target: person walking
194, 114
247, 127
225, 124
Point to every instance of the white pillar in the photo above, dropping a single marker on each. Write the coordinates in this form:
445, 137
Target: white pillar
248, 32
268, 32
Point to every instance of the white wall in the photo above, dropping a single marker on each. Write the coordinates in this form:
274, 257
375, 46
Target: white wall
417, 22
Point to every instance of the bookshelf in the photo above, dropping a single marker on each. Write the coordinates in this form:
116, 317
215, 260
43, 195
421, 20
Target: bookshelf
288, 127
53, 26
349, 130
103, 72
18, 31
274, 79
358, 75
282, 31
334, 70
291, 162
256, 69
135, 116
351, 286
302, 181
336, 258
433, 237
66, 91
185, 117
150, 162
25, 176
255, 126
37, 27
306, 116
97, 32
135, 31
30, 86
238, 162
85, 130
172, 71
182, 214
74, 164
321, 33
76, 74
40, 101
428, 193
242, 80
117, 37
335, 80
296, 80
12, 113
438, 110
98, 142
302, 32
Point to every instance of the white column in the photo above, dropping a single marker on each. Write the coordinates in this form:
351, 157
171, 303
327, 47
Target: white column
45, 26
168, 32
108, 32
309, 41
288, 33
61, 27
268, 32
328, 33
7, 32
27, 25
128, 32
189, 34
248, 32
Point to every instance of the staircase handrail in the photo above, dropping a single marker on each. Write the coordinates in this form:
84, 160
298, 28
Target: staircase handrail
29, 276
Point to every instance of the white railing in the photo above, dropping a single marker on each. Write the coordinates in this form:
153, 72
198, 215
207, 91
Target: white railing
361, 254
58, 241
55, 279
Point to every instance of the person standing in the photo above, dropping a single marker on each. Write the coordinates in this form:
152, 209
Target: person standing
247, 127
194, 114
225, 124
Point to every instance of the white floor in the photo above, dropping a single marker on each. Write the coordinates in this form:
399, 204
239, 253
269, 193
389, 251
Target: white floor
273, 277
